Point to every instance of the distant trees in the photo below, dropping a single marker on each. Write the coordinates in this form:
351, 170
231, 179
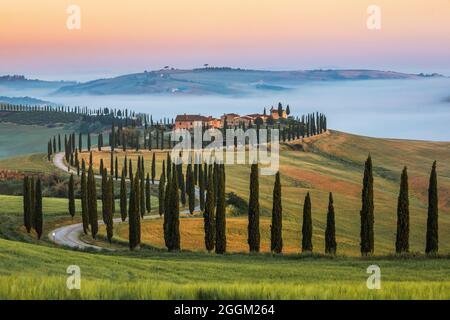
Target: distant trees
367, 211
402, 239
276, 239
253, 211
432, 242
330, 231
307, 228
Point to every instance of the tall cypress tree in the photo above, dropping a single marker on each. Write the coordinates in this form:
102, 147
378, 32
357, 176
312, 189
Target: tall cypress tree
84, 199
142, 203
133, 215
116, 169
71, 196
92, 203
161, 191
402, 239
190, 188
109, 209
32, 199
307, 227
167, 211
173, 225
277, 218
27, 218
208, 215
153, 168
104, 193
253, 211
37, 215
367, 215
123, 196
148, 204
221, 237
201, 185
330, 231
432, 245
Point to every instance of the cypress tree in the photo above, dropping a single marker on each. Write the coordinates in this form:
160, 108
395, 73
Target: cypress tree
84, 201
201, 185
182, 186
277, 218
432, 245
104, 193
133, 216
100, 171
221, 238
71, 196
190, 189
148, 203
32, 199
37, 215
367, 215
253, 210
167, 211
111, 164
142, 203
116, 169
153, 168
402, 239
27, 218
92, 203
161, 191
330, 231
109, 210
174, 224
307, 226
208, 215
125, 166
88, 142
123, 196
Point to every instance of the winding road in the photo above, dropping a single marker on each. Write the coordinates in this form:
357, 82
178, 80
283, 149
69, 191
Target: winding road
70, 235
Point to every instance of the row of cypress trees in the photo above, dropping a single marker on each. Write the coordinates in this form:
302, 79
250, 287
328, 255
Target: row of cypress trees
211, 181
403, 227
32, 205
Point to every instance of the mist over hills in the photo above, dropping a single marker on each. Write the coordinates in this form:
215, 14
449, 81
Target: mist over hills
204, 81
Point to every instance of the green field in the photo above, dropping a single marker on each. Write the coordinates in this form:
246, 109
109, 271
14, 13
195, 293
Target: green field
334, 162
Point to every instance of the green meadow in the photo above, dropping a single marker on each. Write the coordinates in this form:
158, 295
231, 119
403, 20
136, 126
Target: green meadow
31, 269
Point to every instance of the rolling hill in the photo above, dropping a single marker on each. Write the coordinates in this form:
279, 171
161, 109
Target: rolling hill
223, 81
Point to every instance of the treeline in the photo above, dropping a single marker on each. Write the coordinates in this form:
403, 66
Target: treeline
207, 183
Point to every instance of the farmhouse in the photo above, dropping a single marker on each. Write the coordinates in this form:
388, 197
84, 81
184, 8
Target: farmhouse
186, 121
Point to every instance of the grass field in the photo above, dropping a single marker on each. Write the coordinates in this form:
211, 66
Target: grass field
37, 269
31, 271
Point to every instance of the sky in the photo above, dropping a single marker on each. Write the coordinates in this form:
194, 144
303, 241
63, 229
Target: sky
117, 37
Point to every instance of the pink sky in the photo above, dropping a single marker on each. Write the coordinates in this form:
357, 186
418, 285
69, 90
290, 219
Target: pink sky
117, 37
